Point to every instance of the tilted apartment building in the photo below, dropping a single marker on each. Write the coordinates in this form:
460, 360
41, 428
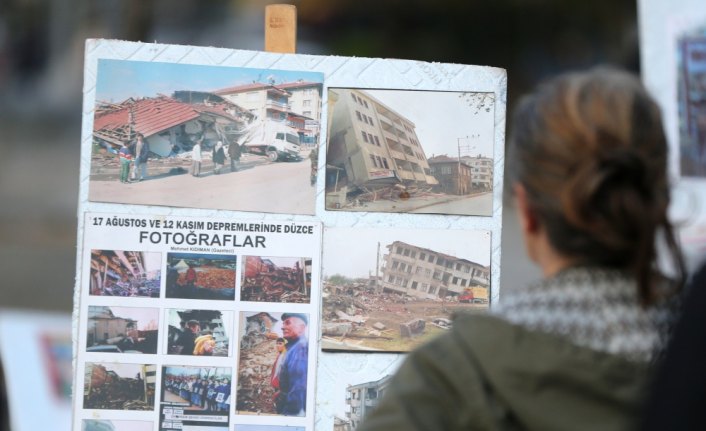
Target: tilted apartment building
371, 144
424, 273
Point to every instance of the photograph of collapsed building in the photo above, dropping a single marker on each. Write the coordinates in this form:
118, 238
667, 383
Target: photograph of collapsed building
122, 329
273, 364
199, 332
115, 425
394, 289
125, 273
244, 135
109, 386
195, 397
276, 279
201, 276
410, 151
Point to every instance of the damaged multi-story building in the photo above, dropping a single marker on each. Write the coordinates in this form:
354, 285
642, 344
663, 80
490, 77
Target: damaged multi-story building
113, 271
371, 146
425, 273
362, 398
296, 103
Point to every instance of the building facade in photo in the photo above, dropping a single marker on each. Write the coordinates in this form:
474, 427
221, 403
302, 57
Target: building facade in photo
370, 144
103, 325
454, 175
482, 175
361, 399
425, 273
296, 103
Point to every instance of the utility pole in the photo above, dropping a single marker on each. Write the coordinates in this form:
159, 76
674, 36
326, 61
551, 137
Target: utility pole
458, 144
377, 269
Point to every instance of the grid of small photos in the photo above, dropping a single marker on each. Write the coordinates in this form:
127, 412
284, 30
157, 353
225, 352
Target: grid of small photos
211, 334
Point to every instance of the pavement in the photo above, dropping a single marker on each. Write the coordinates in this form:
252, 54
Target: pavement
259, 185
421, 203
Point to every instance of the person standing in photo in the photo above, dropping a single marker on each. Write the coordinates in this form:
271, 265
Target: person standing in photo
125, 160
219, 157
234, 154
291, 400
196, 159
142, 150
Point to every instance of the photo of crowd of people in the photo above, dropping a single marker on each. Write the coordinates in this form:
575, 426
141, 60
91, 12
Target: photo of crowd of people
109, 386
125, 273
276, 279
199, 332
122, 329
273, 366
201, 276
195, 396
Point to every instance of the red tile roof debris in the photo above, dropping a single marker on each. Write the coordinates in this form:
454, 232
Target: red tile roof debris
149, 116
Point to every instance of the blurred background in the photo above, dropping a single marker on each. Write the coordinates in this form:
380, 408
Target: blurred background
41, 66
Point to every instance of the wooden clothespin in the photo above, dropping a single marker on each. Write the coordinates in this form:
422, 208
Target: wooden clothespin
281, 28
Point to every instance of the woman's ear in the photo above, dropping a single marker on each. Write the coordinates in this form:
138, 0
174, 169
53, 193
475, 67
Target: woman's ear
528, 217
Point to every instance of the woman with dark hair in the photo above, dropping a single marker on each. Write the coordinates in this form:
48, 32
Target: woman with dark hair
572, 352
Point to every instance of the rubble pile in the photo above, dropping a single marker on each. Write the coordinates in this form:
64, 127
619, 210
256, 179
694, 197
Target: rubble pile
212, 278
111, 392
394, 193
280, 285
255, 393
348, 313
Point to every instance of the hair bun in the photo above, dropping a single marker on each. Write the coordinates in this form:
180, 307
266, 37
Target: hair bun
623, 166
608, 196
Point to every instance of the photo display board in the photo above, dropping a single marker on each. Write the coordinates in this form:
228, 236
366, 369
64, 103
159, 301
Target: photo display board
262, 236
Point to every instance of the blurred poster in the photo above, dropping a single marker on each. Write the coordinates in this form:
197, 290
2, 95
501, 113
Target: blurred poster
692, 102
36, 354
